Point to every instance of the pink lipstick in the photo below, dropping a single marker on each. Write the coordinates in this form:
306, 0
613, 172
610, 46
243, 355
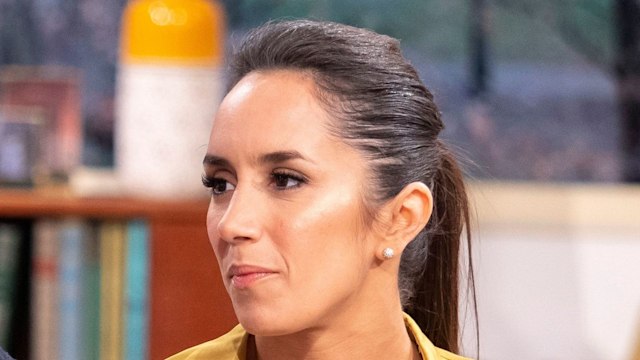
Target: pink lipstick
243, 276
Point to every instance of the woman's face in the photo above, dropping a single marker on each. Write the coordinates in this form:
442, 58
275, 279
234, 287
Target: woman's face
286, 217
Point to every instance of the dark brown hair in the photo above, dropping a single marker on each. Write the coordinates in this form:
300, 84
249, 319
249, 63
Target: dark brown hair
384, 110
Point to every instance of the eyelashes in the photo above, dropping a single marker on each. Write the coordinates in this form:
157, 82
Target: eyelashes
218, 186
279, 180
285, 179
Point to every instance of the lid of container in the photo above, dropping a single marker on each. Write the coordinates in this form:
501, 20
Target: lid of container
181, 32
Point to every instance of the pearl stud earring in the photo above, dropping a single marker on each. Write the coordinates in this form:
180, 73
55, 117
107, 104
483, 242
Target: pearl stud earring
387, 253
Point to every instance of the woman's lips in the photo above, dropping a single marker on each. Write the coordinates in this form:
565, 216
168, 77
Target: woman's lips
244, 276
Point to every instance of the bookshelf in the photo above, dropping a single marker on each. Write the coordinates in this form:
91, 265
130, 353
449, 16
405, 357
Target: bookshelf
187, 301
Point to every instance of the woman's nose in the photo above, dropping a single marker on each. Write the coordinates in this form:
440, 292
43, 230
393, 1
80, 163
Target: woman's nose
240, 221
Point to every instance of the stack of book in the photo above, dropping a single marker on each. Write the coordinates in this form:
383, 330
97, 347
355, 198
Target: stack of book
89, 288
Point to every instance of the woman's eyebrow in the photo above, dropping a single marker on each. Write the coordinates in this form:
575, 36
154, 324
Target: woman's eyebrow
275, 157
217, 161
281, 156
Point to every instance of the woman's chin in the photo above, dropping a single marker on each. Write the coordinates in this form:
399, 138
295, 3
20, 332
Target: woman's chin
265, 324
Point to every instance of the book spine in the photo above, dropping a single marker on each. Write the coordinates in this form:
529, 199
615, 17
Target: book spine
137, 290
72, 336
10, 238
91, 294
44, 310
112, 255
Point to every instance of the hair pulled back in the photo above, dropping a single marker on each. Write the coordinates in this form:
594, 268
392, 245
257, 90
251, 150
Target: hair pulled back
383, 109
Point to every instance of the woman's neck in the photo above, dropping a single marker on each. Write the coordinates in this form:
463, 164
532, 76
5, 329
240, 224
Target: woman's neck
373, 332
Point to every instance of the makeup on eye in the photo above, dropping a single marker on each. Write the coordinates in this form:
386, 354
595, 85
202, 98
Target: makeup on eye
280, 179
284, 179
218, 186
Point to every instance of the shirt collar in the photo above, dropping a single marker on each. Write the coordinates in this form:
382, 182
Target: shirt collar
425, 346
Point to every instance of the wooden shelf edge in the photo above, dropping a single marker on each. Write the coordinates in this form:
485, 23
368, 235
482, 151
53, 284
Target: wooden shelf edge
20, 203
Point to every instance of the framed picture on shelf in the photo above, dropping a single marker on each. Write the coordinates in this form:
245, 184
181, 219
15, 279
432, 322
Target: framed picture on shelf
21, 130
56, 92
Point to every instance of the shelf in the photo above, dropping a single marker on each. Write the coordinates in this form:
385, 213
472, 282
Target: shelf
34, 203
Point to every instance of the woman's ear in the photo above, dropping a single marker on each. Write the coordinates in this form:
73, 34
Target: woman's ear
409, 213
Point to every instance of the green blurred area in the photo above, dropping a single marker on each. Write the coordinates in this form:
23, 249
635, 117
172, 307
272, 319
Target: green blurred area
521, 30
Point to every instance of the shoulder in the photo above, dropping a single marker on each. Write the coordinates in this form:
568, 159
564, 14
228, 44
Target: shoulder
230, 346
427, 349
446, 355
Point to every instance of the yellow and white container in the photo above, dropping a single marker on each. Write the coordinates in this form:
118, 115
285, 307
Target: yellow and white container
169, 85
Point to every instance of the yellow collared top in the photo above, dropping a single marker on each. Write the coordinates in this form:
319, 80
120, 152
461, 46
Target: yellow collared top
233, 346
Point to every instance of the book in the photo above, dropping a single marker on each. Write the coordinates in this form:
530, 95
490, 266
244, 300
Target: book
137, 290
10, 239
91, 293
73, 334
112, 236
45, 308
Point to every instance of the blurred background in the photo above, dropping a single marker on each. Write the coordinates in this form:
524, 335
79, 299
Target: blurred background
541, 99
529, 91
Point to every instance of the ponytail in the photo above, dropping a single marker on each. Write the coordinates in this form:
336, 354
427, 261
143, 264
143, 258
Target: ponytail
434, 305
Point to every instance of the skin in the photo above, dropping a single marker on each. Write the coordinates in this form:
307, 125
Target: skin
303, 268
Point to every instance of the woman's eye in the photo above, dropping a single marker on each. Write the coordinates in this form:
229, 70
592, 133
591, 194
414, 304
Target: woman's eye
283, 181
221, 186
218, 186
